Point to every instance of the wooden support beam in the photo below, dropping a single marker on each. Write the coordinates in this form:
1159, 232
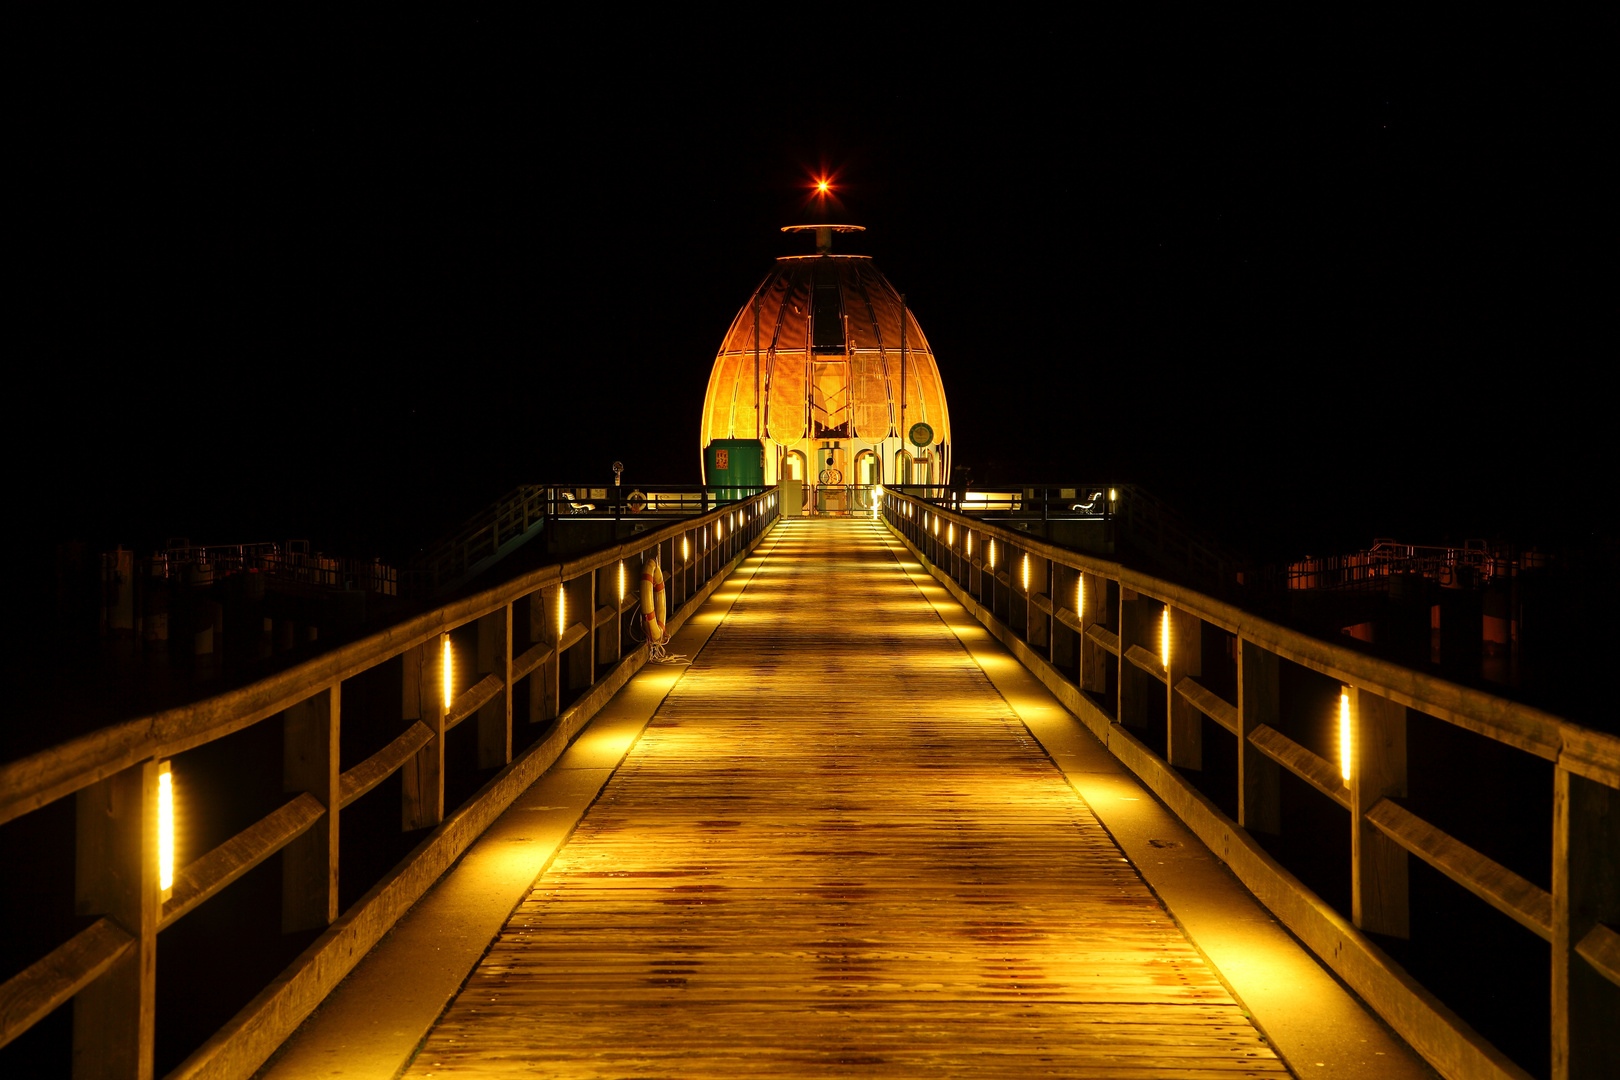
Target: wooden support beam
472, 700
532, 658
1378, 879
1585, 896
1601, 948
1211, 705
30, 995
1146, 661
1184, 741
495, 713
1524, 902
545, 691
604, 615
422, 777
204, 877
1259, 783
1316, 771
1103, 638
1095, 638
309, 764
116, 857
381, 765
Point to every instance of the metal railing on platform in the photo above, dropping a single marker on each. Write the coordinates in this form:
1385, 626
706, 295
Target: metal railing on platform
555, 643
1123, 651
529, 508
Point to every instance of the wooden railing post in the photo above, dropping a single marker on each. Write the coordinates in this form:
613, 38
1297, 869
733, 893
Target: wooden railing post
582, 609
544, 690
116, 872
309, 762
1378, 886
1185, 739
495, 715
1259, 790
1037, 623
422, 790
1585, 893
1138, 706
1093, 657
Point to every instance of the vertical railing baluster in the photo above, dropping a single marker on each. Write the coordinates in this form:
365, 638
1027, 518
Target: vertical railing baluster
310, 736
1184, 738
1585, 893
116, 852
1259, 782
1378, 882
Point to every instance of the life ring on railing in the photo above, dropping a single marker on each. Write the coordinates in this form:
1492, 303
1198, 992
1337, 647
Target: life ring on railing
652, 600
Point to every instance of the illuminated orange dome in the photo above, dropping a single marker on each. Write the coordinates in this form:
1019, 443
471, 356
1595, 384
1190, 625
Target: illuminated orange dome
825, 362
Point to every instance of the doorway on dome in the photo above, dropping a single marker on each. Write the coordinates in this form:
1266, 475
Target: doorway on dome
902, 468
793, 465
829, 399
865, 478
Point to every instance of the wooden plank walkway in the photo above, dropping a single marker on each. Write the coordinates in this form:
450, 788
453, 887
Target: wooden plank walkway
835, 851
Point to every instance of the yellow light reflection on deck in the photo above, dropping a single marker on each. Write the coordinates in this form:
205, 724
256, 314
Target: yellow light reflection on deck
445, 670
1344, 734
1164, 637
165, 815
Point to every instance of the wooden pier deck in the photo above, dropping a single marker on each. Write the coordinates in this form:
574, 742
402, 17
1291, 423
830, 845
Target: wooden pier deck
836, 851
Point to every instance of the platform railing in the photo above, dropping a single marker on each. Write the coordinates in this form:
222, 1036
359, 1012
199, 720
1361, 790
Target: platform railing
1122, 650
568, 632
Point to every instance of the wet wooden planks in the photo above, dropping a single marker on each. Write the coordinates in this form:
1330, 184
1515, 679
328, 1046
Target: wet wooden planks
836, 852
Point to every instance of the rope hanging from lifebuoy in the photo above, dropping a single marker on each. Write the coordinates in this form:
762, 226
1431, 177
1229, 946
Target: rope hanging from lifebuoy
654, 610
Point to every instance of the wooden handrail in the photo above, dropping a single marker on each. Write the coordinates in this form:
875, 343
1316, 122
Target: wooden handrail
42, 778
472, 699
1210, 704
310, 694
1376, 696
1308, 766
206, 876
1582, 750
1601, 948
1524, 902
48, 982
380, 766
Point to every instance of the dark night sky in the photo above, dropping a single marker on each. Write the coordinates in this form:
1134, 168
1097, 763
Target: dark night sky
350, 284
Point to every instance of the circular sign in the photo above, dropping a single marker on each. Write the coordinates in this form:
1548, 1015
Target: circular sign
637, 501
831, 476
921, 435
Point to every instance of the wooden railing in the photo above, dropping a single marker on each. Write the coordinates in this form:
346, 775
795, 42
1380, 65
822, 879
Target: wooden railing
566, 629
1095, 632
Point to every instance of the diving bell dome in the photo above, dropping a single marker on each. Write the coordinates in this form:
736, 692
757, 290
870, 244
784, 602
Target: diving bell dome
828, 370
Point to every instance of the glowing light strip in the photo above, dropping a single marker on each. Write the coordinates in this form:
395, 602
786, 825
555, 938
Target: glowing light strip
562, 610
446, 670
1164, 637
165, 813
1344, 735
1026, 573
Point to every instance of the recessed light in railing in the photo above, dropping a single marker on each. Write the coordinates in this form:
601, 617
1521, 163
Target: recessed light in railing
165, 836
1344, 733
446, 671
1164, 637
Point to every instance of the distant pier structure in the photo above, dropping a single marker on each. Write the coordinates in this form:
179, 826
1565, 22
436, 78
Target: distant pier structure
825, 377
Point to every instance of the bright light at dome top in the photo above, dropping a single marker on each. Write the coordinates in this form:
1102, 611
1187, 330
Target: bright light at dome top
823, 186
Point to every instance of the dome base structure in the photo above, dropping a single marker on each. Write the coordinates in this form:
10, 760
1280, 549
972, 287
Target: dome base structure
826, 368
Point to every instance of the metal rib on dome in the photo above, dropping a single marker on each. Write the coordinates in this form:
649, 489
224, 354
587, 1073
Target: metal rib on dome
814, 361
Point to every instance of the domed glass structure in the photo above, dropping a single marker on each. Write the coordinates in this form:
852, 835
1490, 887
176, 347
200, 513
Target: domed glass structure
828, 370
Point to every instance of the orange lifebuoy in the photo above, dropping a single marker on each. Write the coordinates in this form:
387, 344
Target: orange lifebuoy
652, 600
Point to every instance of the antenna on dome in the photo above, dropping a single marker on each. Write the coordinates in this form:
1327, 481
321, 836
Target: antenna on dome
824, 234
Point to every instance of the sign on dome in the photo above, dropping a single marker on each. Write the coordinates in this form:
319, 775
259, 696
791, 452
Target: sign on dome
921, 435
